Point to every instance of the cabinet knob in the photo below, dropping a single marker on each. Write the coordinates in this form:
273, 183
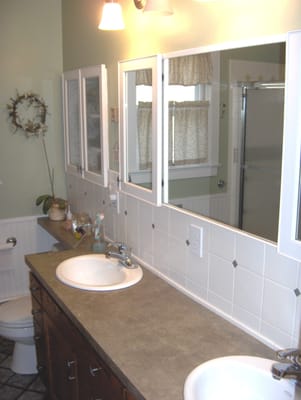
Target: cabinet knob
94, 371
36, 312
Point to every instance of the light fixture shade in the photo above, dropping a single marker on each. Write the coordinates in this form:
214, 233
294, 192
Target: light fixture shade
112, 19
159, 7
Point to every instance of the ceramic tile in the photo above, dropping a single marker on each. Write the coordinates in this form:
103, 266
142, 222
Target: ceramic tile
221, 242
221, 275
161, 255
197, 288
145, 231
276, 336
177, 255
248, 319
132, 238
281, 269
160, 218
178, 226
250, 253
197, 269
248, 291
219, 303
279, 307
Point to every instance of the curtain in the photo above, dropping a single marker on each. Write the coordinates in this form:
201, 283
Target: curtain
144, 122
144, 77
188, 132
190, 70
187, 71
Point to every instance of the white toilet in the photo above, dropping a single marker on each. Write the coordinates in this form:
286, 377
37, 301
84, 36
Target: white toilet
16, 324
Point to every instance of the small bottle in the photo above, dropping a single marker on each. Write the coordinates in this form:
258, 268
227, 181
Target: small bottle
99, 244
68, 221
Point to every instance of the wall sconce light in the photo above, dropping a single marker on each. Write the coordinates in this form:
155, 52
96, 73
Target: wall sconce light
111, 19
159, 7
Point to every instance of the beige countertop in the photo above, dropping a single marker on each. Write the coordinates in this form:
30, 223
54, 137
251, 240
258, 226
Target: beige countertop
150, 334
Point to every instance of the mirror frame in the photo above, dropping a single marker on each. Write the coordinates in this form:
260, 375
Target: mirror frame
290, 178
153, 195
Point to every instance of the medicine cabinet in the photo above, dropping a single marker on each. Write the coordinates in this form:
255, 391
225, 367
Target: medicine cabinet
86, 123
140, 97
289, 240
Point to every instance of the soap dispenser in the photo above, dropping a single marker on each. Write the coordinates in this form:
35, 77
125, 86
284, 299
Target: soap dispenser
99, 244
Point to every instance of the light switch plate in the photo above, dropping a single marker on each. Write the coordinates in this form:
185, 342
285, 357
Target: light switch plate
196, 240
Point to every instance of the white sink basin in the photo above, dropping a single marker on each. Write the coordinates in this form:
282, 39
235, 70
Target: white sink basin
96, 272
237, 378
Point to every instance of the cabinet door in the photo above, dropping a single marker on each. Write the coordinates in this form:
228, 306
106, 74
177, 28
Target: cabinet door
93, 375
86, 123
38, 322
94, 112
72, 122
62, 361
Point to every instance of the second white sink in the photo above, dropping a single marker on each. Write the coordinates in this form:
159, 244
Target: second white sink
96, 272
237, 378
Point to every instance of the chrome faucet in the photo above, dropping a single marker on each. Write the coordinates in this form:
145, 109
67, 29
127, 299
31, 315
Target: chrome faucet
290, 365
121, 252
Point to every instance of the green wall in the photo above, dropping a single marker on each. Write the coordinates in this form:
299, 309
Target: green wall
31, 60
193, 24
35, 47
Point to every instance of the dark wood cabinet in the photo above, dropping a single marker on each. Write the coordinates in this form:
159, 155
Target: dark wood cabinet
69, 366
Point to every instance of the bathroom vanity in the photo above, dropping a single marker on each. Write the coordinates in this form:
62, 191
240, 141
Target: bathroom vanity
135, 343
68, 365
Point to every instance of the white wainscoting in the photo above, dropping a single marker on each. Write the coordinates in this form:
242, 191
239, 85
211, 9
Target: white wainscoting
31, 238
214, 206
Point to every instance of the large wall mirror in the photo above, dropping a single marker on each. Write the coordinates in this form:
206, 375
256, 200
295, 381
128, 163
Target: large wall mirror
223, 132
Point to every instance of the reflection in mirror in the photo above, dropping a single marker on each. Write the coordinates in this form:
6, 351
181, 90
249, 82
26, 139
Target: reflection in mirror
139, 105
93, 125
223, 113
73, 120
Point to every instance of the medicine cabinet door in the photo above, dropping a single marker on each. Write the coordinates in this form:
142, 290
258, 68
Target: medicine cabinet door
140, 104
86, 123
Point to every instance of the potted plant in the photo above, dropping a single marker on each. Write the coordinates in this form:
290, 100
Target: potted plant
28, 112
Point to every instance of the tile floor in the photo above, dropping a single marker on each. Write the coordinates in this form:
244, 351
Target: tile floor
14, 386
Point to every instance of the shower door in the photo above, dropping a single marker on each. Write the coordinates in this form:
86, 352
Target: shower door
261, 160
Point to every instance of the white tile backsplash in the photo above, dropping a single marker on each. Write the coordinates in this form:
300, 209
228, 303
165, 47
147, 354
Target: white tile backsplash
279, 306
250, 253
248, 290
222, 242
258, 295
281, 269
221, 277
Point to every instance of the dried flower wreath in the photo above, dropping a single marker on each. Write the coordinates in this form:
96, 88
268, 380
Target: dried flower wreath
28, 112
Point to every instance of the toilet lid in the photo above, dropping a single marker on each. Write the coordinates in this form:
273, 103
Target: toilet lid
16, 312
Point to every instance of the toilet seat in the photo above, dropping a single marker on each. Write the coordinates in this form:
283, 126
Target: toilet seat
16, 313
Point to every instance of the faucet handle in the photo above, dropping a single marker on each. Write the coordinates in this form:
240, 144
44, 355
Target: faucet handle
293, 355
119, 246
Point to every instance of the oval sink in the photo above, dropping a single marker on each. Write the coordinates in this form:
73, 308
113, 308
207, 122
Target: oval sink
237, 378
96, 272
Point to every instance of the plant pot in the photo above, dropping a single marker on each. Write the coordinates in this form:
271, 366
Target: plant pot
55, 213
